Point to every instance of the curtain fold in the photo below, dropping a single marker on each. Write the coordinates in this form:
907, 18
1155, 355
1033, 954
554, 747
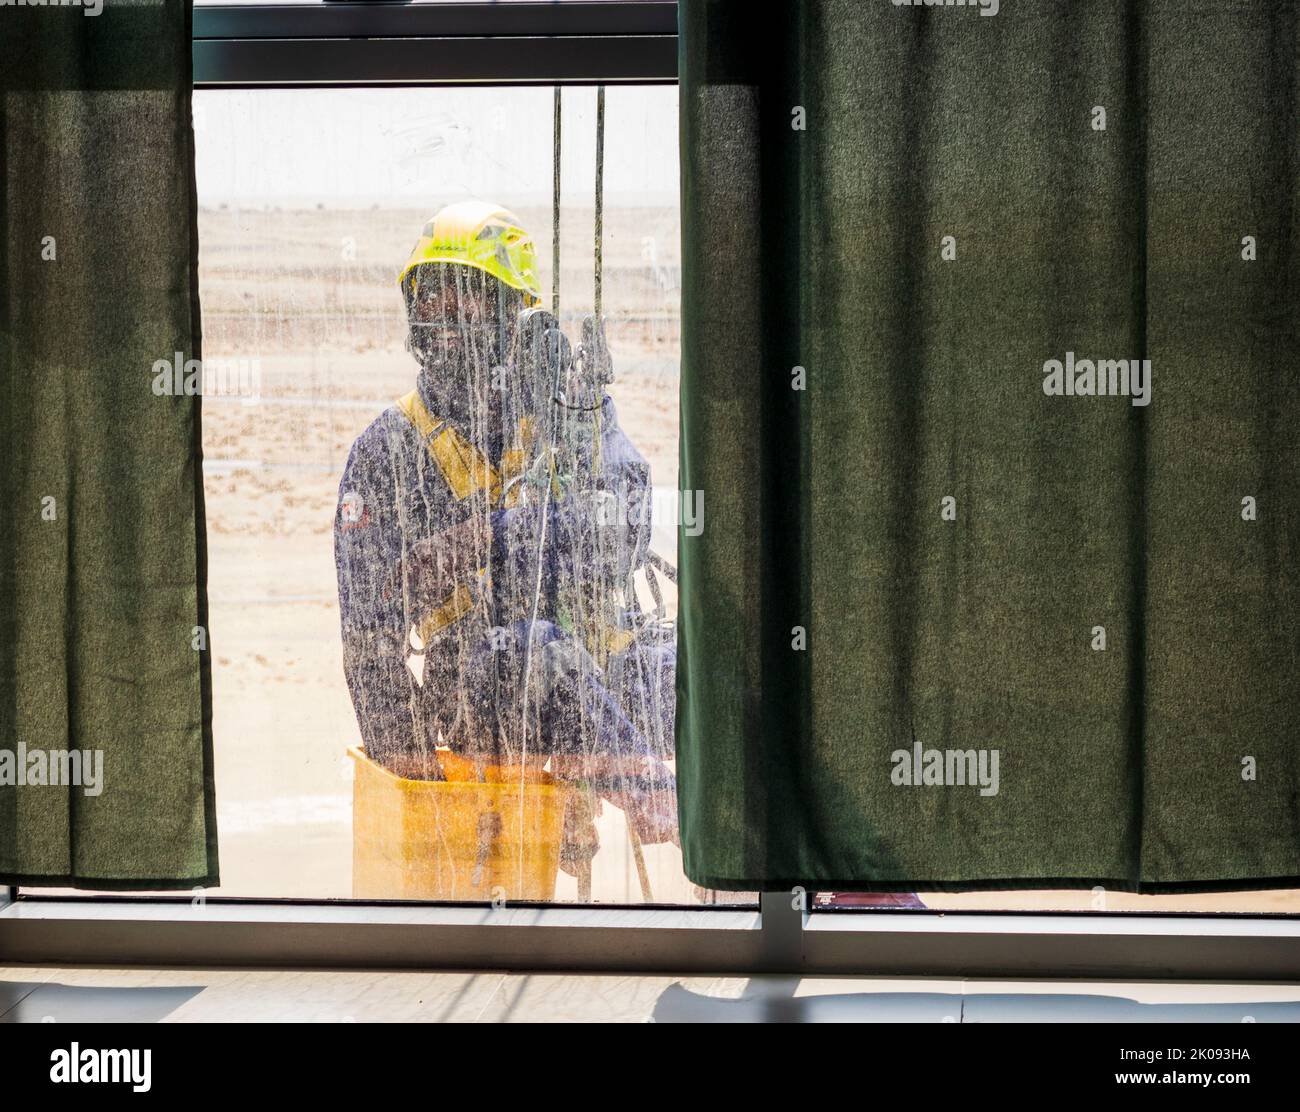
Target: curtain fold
947, 627
106, 776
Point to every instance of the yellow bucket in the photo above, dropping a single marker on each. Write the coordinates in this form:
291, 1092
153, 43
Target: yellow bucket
480, 834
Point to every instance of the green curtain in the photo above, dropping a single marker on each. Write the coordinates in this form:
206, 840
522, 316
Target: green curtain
1105, 594
103, 609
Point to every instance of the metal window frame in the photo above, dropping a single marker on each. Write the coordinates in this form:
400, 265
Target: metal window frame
591, 939
361, 44
383, 44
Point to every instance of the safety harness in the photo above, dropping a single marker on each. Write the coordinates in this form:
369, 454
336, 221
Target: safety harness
467, 472
465, 468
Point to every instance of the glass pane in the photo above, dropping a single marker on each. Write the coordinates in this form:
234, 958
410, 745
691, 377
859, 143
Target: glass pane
504, 563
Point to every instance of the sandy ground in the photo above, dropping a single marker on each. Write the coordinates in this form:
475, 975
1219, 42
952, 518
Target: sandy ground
309, 296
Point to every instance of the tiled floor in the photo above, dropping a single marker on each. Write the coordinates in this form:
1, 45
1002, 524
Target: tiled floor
44, 994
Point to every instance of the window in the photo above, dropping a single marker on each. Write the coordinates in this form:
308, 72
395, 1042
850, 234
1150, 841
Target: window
310, 202
311, 199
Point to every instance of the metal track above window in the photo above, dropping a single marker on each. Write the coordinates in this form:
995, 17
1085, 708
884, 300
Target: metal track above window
353, 43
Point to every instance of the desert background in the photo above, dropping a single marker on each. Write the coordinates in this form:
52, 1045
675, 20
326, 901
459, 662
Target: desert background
310, 201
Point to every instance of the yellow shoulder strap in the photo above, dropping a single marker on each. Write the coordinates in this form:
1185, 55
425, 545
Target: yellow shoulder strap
462, 465
454, 607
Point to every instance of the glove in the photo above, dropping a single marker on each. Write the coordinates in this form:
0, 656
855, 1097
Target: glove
437, 564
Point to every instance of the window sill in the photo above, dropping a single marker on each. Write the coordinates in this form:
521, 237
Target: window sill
657, 940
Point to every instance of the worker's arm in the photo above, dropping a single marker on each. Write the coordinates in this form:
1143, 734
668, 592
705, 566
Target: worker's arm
368, 557
623, 468
600, 526
440, 567
621, 503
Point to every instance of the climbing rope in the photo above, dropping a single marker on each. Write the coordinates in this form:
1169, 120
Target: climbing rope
600, 192
555, 212
581, 797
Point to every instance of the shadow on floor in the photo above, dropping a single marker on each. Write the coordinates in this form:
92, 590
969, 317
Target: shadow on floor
48, 1002
772, 1000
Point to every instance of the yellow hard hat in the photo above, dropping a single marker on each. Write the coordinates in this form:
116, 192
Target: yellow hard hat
484, 236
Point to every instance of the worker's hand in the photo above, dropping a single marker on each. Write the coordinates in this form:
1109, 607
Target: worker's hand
649, 801
517, 535
608, 545
436, 564
654, 817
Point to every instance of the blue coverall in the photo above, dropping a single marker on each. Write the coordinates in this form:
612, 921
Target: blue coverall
392, 496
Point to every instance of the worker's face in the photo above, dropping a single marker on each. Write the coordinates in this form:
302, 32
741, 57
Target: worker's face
460, 317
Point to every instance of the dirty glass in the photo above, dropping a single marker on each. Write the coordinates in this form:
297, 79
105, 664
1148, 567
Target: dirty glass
441, 509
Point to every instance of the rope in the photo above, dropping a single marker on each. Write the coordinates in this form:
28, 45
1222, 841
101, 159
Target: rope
555, 213
600, 192
584, 873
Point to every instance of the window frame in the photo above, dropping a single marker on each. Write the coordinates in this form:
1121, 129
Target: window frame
356, 43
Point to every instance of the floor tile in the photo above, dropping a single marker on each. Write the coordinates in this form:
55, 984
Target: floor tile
40, 994
556, 998
1137, 1002
14, 990
55, 1002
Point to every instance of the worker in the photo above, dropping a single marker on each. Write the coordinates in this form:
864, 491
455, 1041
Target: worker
488, 525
